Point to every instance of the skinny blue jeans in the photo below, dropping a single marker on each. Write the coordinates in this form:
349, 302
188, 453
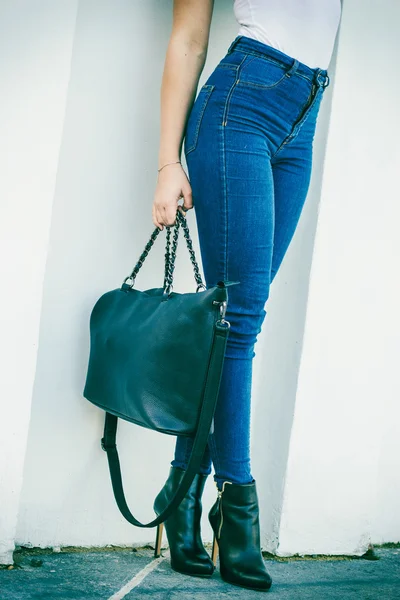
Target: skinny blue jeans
248, 145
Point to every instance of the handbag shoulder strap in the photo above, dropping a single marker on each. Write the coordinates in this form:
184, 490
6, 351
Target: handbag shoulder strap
108, 442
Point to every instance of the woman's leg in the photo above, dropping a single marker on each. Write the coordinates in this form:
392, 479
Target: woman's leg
244, 212
235, 220
287, 188
291, 168
234, 211
248, 192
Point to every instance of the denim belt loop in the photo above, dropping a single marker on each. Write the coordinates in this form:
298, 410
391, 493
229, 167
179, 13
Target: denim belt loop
233, 43
293, 68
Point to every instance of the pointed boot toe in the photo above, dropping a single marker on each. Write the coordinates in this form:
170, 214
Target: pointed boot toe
234, 518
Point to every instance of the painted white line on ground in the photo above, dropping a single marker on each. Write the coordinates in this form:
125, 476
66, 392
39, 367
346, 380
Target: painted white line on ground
134, 582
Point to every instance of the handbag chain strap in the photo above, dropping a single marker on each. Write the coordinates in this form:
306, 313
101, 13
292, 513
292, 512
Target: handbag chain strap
189, 245
167, 256
170, 264
170, 255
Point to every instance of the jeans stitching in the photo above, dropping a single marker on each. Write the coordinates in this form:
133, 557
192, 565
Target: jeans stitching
226, 66
261, 55
207, 90
224, 216
260, 85
223, 170
230, 92
277, 62
215, 457
300, 123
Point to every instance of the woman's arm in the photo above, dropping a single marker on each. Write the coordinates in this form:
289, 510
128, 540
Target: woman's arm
184, 62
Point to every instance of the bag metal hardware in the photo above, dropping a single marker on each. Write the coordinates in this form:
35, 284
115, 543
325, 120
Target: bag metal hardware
222, 312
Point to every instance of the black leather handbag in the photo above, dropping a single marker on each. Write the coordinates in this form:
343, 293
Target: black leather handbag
156, 359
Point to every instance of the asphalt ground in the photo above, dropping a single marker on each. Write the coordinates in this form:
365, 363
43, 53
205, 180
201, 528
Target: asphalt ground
126, 573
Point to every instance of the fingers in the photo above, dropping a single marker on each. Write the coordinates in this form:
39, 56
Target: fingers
155, 217
187, 197
166, 216
163, 216
165, 204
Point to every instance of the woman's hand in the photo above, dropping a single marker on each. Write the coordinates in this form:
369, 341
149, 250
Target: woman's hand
172, 184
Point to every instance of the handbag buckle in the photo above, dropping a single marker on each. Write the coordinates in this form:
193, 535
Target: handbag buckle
222, 312
106, 447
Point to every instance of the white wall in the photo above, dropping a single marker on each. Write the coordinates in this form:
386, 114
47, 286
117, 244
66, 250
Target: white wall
343, 477
34, 73
279, 346
101, 222
101, 198
108, 154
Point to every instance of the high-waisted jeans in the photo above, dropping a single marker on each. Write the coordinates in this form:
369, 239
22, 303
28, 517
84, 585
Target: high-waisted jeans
248, 146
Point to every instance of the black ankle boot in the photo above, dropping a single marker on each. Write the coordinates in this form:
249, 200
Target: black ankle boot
187, 552
235, 521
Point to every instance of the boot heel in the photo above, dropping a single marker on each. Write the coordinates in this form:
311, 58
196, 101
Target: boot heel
157, 545
214, 551
182, 527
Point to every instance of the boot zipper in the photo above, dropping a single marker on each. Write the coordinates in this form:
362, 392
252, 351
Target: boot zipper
220, 492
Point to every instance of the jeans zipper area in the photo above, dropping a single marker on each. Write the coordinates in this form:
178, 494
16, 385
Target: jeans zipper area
307, 107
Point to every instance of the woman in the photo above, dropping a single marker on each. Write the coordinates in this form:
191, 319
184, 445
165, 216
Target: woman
248, 141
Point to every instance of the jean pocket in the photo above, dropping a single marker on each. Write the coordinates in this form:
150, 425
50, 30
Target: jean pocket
262, 73
195, 117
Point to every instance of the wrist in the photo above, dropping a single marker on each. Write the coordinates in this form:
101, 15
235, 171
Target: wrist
166, 164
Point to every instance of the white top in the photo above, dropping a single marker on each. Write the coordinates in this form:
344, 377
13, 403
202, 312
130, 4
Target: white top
303, 29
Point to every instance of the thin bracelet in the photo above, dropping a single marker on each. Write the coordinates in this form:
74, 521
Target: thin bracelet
173, 163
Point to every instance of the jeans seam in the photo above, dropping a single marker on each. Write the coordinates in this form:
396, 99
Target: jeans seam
271, 60
230, 92
224, 269
207, 89
226, 66
214, 454
260, 85
261, 55
224, 216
